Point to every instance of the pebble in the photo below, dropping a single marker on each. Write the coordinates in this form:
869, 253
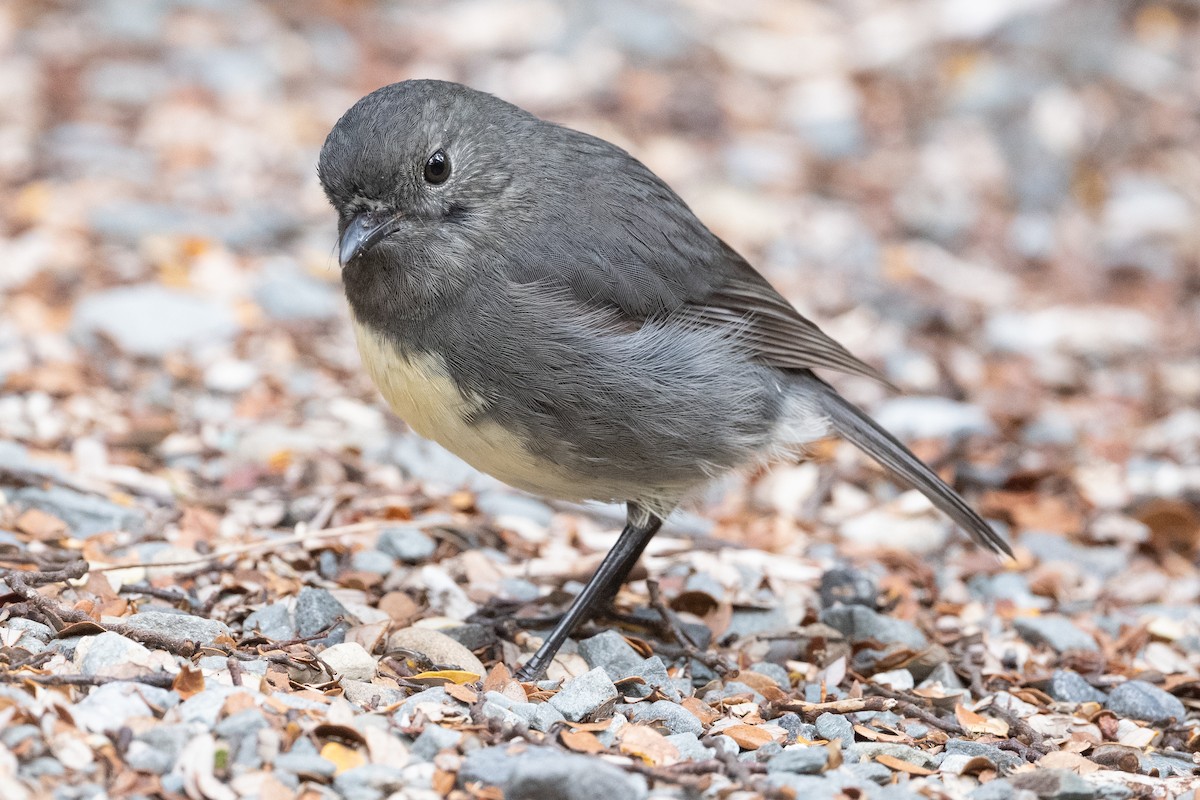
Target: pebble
316, 610
305, 764
1056, 631
1003, 759
151, 321
436, 646
1067, 686
572, 777
801, 759
1054, 784
666, 715
110, 706
350, 660
746, 622
410, 709
690, 747
273, 621
654, 672
406, 543
847, 586
588, 697
867, 751
368, 695
433, 740
85, 515
110, 653
835, 727
289, 295
860, 624
178, 626
1145, 701
610, 651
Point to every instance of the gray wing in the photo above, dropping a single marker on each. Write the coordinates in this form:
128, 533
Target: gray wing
624, 239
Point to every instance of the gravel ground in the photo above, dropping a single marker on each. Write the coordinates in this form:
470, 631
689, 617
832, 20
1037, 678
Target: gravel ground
226, 571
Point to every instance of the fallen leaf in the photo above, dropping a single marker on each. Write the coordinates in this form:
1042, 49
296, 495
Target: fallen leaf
343, 757
647, 744
1061, 759
977, 723
748, 737
703, 711
438, 677
40, 525
900, 765
590, 726
188, 682
581, 741
461, 693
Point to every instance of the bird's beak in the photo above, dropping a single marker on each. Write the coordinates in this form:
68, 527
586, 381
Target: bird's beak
364, 232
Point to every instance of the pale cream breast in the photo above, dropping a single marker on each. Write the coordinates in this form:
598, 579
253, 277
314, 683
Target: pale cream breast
420, 390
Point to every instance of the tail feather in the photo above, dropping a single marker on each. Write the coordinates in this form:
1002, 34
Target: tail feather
864, 433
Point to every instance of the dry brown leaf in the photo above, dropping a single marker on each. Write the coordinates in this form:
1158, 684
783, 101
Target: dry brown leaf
748, 737
647, 744
188, 682
40, 525
900, 765
590, 726
343, 757
443, 781
756, 680
977, 723
440, 677
497, 679
581, 741
703, 711
1062, 759
461, 693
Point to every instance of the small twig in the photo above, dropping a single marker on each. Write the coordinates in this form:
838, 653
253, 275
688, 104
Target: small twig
1021, 728
908, 705
714, 661
850, 705
1020, 748
160, 679
169, 593
251, 547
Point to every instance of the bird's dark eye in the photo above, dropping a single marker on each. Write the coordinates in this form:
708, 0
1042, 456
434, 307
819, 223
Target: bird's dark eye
437, 168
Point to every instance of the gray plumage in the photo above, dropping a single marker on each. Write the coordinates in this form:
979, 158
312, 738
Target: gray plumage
577, 303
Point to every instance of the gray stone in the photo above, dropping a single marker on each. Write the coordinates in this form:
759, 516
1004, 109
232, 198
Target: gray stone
85, 515
1144, 701
178, 626
106, 652
157, 748
241, 732
835, 726
493, 766
150, 320
732, 689
406, 715
1004, 760
808, 787
1169, 763
689, 746
672, 717
588, 697
572, 777
375, 561
993, 790
610, 651
110, 706
29, 629
406, 543
369, 782
774, 672
801, 759
545, 716
205, 707
797, 728
433, 740
368, 695
1054, 784
316, 610
944, 675
860, 624
1067, 686
746, 622
871, 771
503, 716
471, 635
1056, 631
273, 621
654, 672
44, 766
868, 751
305, 764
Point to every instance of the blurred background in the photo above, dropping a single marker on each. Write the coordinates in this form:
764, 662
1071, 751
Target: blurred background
996, 201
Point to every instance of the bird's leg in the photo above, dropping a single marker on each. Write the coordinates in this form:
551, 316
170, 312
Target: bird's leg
640, 526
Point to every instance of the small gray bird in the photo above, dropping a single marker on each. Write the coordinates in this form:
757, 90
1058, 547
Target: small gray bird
541, 304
